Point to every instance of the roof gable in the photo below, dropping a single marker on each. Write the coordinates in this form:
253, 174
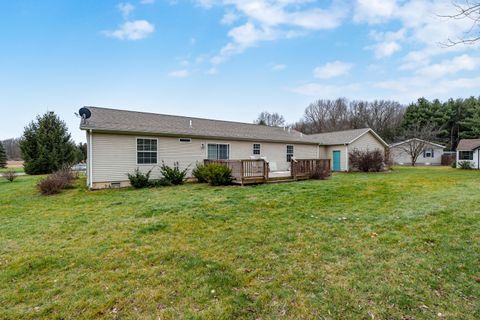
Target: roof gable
426, 142
468, 144
344, 137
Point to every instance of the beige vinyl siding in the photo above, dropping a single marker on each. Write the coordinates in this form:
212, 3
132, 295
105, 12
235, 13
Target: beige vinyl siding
367, 142
115, 155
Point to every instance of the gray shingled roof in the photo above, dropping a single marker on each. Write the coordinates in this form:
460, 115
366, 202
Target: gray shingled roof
468, 144
338, 137
113, 120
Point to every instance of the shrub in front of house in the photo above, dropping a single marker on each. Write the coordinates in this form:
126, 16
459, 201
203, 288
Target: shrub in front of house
139, 179
454, 164
367, 161
200, 172
57, 181
320, 173
10, 175
466, 165
174, 175
218, 175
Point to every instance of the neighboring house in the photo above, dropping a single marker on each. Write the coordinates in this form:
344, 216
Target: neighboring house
120, 141
469, 150
337, 145
430, 155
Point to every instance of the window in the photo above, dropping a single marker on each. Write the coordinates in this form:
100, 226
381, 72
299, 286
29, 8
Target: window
185, 140
256, 149
428, 153
218, 151
289, 153
146, 151
465, 155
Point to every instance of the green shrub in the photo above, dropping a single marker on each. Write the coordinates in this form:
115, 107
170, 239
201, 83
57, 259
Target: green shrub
200, 172
218, 175
139, 179
454, 164
466, 165
174, 175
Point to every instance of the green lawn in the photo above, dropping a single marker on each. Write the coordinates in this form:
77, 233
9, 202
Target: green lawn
400, 245
16, 169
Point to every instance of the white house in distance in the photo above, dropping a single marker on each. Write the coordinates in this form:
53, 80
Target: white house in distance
430, 156
120, 141
469, 150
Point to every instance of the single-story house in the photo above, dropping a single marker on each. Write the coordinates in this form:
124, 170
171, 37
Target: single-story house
431, 155
469, 150
120, 141
338, 144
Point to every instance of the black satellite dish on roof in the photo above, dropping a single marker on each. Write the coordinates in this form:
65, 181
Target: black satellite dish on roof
84, 113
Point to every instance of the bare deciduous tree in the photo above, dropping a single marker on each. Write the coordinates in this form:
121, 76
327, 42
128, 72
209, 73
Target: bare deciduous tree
270, 119
470, 11
417, 137
383, 116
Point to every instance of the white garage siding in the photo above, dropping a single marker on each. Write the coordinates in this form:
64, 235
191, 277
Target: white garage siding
115, 155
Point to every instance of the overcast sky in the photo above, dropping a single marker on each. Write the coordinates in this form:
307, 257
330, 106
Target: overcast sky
224, 59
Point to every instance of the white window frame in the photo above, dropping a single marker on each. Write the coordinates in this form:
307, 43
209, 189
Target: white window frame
286, 152
259, 149
216, 143
136, 151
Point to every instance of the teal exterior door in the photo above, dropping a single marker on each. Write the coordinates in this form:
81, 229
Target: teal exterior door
337, 160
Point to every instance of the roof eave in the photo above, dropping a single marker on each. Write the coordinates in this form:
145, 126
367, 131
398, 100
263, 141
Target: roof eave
166, 134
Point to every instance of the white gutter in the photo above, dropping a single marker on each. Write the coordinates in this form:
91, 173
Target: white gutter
90, 159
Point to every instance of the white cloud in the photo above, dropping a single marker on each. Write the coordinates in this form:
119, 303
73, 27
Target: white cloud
132, 30
179, 73
229, 18
450, 66
385, 49
332, 69
278, 67
244, 36
374, 11
269, 20
125, 9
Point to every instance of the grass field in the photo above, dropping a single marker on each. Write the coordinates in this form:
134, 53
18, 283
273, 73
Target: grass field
400, 245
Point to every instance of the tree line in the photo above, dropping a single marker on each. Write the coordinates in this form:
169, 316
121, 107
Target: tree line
442, 122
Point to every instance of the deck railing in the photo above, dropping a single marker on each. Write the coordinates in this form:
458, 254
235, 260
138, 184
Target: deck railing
303, 168
247, 170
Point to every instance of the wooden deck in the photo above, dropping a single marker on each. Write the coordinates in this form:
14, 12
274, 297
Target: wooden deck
255, 171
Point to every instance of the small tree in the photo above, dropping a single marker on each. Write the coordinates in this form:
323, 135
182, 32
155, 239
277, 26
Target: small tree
3, 157
46, 145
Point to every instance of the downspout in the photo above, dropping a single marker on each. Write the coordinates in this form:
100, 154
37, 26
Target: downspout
90, 160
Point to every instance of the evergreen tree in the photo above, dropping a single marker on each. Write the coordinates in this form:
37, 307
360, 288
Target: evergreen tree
46, 145
3, 157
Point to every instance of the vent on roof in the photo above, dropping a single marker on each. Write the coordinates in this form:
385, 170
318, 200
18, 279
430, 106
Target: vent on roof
190, 123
